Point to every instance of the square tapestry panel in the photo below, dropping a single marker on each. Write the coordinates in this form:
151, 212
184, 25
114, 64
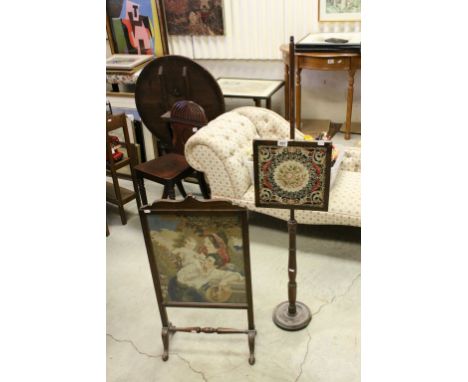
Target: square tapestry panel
292, 174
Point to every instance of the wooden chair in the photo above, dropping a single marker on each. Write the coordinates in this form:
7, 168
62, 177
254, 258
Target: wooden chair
170, 169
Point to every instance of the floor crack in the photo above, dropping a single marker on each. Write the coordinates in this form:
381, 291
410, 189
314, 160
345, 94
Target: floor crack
318, 311
305, 355
339, 296
191, 368
133, 345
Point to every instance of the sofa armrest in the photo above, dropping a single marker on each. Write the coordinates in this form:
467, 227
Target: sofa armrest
219, 150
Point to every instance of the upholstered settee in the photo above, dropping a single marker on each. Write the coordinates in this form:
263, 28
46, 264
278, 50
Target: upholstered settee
222, 150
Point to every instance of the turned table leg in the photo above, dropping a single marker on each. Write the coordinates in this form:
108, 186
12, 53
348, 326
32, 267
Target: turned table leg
287, 101
349, 103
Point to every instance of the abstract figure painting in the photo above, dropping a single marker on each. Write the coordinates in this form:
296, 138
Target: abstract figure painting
194, 17
295, 174
134, 27
339, 10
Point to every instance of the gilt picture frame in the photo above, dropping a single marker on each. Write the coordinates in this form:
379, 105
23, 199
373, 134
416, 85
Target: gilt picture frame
136, 27
339, 10
292, 174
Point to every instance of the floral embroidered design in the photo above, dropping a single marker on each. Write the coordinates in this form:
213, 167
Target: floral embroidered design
292, 176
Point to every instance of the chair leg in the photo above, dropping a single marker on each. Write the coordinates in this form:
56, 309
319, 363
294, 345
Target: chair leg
123, 216
181, 189
205, 189
165, 191
171, 191
142, 191
137, 192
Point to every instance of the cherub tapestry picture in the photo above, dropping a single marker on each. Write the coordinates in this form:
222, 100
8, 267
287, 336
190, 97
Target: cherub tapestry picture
200, 258
194, 17
134, 27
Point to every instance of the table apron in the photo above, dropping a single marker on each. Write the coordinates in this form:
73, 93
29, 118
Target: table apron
328, 63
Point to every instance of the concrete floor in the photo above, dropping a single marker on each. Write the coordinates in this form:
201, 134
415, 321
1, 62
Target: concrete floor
328, 282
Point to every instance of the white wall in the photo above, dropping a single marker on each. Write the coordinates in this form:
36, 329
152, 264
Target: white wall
254, 29
323, 93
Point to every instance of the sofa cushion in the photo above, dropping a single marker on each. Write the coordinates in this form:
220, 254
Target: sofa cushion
344, 204
352, 159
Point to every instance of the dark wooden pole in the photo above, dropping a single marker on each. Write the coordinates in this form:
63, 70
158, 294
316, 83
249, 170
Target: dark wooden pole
292, 93
292, 266
292, 223
291, 314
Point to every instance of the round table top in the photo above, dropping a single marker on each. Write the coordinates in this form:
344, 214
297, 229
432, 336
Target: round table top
172, 78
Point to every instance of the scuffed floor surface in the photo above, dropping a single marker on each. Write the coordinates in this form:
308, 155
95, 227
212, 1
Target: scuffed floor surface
328, 350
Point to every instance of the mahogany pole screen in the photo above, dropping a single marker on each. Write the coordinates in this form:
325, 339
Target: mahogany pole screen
293, 175
169, 79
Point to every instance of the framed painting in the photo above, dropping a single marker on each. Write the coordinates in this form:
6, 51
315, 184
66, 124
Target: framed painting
199, 257
248, 88
126, 61
339, 10
136, 27
194, 17
292, 174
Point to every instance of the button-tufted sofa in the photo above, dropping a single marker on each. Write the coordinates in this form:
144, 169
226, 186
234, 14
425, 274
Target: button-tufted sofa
222, 148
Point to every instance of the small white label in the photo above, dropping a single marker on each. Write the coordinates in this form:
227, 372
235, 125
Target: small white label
321, 143
283, 143
147, 211
195, 129
330, 61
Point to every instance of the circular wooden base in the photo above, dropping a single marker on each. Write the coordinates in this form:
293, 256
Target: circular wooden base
285, 321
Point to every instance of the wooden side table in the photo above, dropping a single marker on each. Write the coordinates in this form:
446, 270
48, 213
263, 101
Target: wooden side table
321, 61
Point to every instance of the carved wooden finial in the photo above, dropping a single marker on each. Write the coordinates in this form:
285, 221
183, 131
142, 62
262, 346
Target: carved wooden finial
188, 111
